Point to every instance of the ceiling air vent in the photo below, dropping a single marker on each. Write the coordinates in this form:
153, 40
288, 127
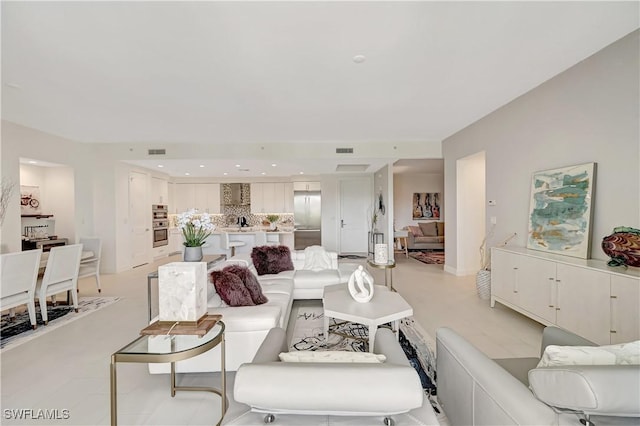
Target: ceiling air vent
344, 150
157, 151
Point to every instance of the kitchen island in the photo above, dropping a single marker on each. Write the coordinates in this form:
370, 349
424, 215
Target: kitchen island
251, 236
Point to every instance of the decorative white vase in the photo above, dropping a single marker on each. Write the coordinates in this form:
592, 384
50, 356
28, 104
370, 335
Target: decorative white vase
483, 284
381, 253
182, 291
193, 254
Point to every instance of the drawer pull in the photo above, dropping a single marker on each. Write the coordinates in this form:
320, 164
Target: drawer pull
551, 306
614, 297
612, 331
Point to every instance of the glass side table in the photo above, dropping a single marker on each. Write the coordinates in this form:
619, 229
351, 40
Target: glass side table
388, 282
139, 351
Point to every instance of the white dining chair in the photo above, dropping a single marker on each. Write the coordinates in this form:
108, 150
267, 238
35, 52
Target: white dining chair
90, 266
263, 240
18, 278
60, 274
228, 244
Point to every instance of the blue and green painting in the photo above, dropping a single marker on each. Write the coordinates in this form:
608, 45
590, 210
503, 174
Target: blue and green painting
560, 210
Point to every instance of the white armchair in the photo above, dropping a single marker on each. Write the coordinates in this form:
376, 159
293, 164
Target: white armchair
61, 274
18, 278
91, 265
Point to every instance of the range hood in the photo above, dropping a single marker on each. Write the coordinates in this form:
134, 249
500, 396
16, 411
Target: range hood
236, 194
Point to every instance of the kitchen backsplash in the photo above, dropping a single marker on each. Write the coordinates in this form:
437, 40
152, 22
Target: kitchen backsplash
232, 213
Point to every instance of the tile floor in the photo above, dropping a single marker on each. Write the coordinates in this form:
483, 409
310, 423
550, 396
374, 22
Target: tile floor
68, 368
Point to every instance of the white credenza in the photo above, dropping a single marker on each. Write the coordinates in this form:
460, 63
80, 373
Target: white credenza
586, 297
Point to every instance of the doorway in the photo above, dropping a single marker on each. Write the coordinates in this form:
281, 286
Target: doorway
471, 213
140, 217
356, 202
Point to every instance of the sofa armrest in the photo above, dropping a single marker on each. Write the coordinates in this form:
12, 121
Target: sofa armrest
560, 337
274, 343
612, 390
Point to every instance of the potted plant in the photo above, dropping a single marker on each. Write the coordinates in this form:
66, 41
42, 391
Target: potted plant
195, 229
273, 219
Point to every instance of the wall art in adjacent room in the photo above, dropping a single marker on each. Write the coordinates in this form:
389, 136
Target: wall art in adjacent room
426, 205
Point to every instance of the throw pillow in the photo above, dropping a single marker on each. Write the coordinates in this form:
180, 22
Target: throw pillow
271, 259
626, 353
415, 231
331, 356
250, 282
429, 229
231, 289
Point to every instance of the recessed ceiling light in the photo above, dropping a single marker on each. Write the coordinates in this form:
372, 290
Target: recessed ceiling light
263, 173
201, 165
273, 165
187, 174
160, 166
301, 173
33, 162
358, 59
237, 165
225, 173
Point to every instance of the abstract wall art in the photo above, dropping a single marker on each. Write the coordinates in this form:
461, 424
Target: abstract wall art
560, 210
426, 205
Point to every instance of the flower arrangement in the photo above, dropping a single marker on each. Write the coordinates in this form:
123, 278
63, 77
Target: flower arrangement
195, 227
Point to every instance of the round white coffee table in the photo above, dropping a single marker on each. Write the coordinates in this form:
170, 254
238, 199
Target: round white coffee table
385, 307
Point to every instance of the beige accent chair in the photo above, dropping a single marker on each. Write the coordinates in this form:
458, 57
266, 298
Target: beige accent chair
60, 274
91, 265
18, 278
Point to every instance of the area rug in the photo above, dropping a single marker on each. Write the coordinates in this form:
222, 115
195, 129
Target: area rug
13, 334
429, 256
308, 335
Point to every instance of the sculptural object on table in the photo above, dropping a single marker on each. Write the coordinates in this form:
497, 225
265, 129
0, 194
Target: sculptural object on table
623, 246
361, 285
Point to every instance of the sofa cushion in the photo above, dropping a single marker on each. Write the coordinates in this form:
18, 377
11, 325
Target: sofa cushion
282, 301
282, 286
271, 259
250, 282
231, 289
626, 353
316, 279
428, 240
331, 356
248, 318
429, 229
415, 231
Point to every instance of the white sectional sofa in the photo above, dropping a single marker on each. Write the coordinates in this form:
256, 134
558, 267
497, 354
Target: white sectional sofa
247, 326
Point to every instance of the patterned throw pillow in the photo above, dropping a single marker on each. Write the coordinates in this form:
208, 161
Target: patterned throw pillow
231, 289
271, 259
250, 282
415, 231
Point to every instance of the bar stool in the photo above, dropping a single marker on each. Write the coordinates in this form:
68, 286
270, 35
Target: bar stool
227, 243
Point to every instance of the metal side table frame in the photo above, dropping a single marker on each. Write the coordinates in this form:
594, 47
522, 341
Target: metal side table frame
137, 352
388, 277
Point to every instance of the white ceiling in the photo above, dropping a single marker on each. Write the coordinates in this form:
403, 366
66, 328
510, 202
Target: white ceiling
266, 72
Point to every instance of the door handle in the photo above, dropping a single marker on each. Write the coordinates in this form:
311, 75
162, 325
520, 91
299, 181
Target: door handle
341, 223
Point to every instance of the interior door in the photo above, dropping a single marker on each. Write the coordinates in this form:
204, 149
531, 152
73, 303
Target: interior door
139, 219
356, 202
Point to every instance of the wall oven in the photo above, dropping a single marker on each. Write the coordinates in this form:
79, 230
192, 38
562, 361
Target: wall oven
160, 225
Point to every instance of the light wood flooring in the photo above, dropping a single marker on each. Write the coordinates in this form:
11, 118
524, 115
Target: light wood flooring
68, 368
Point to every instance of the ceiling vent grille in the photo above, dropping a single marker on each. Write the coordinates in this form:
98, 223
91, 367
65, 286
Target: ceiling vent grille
344, 150
157, 151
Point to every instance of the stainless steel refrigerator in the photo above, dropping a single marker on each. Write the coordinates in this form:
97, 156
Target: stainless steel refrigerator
307, 216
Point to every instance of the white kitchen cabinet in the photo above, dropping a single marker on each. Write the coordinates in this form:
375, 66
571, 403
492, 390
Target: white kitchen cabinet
625, 309
159, 191
272, 197
185, 195
306, 186
583, 296
583, 305
175, 240
207, 197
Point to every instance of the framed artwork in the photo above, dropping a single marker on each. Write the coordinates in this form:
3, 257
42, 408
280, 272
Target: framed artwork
29, 199
561, 210
426, 205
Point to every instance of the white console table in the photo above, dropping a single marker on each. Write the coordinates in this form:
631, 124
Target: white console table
587, 297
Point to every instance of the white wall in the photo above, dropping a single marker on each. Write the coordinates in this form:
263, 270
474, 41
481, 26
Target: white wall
588, 113
405, 185
471, 214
